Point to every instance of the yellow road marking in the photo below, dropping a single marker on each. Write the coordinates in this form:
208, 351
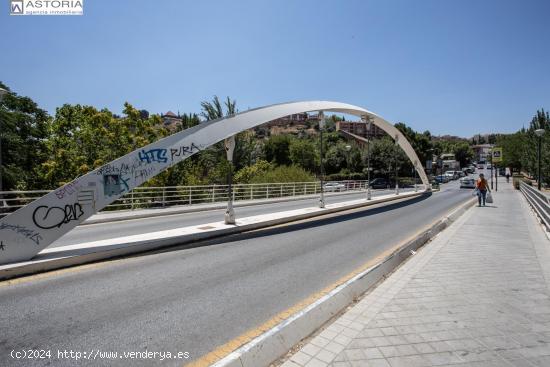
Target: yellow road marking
223, 350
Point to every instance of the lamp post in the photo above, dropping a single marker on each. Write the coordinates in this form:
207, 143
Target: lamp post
3, 92
229, 144
414, 169
348, 158
395, 155
539, 133
369, 126
321, 128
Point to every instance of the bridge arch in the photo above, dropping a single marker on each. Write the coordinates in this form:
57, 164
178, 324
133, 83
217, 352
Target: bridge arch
32, 228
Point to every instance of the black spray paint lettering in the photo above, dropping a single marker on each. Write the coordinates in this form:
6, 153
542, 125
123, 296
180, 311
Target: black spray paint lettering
184, 150
2, 247
153, 155
50, 217
22, 230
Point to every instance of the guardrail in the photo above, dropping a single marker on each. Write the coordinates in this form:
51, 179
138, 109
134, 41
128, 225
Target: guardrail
539, 201
154, 197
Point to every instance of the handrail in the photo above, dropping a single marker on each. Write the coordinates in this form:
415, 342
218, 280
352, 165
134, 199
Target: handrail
538, 201
158, 196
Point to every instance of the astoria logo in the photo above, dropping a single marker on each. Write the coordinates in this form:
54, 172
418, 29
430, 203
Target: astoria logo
47, 7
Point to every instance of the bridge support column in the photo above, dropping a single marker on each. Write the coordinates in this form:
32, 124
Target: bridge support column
229, 149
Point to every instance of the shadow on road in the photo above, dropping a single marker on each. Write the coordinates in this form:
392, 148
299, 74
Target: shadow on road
304, 224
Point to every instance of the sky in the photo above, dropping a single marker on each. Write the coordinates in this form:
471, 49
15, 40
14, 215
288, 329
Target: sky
458, 67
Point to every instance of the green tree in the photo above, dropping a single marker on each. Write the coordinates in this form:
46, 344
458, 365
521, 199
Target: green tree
277, 149
23, 129
303, 153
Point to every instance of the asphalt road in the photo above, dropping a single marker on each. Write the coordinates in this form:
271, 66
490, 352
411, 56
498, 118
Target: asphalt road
192, 300
96, 232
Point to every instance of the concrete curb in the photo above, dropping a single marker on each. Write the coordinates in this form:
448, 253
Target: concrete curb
57, 258
161, 212
277, 341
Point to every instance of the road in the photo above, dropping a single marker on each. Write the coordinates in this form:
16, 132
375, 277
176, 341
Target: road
96, 232
192, 300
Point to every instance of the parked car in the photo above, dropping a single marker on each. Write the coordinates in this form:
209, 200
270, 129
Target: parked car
480, 166
379, 183
472, 168
467, 183
489, 166
460, 173
334, 186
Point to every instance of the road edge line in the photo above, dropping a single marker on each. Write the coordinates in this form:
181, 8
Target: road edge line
277, 341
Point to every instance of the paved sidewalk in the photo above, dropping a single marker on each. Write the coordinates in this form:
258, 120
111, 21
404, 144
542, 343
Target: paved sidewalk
477, 295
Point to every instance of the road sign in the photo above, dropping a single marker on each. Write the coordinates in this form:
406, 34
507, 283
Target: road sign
497, 155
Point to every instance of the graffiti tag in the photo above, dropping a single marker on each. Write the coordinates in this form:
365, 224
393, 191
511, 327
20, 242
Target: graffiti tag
153, 155
22, 230
68, 189
50, 217
2, 246
184, 150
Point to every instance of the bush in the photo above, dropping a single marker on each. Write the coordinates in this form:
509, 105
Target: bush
283, 174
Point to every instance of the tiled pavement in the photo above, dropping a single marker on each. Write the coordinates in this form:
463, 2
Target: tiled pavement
477, 295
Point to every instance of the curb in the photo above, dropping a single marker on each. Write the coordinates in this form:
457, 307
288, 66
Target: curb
216, 206
277, 341
50, 262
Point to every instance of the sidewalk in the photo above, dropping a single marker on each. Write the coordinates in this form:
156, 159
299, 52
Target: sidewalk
477, 295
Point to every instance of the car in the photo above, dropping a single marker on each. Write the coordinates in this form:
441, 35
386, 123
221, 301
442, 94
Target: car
489, 166
451, 174
460, 173
480, 166
467, 183
334, 186
441, 179
472, 168
379, 183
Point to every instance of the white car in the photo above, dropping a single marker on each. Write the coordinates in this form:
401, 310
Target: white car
467, 183
334, 186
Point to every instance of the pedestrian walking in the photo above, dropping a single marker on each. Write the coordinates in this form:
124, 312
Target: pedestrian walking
482, 187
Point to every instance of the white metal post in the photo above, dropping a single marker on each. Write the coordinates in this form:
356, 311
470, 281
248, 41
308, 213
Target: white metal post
229, 149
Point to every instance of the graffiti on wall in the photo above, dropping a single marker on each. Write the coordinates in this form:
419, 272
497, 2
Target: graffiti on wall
68, 189
153, 155
48, 217
23, 231
184, 150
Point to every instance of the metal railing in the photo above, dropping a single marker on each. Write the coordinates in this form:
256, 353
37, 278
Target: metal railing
157, 197
538, 201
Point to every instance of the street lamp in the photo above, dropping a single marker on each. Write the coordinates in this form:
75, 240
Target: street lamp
348, 149
229, 144
321, 127
369, 126
395, 155
539, 133
3, 92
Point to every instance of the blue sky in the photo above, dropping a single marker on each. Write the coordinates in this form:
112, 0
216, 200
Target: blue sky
452, 67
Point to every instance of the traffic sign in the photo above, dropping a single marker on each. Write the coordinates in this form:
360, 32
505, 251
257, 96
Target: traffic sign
497, 155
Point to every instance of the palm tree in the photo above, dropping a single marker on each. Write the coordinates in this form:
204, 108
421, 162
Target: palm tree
213, 110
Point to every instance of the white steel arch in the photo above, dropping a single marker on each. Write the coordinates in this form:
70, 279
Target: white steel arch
27, 231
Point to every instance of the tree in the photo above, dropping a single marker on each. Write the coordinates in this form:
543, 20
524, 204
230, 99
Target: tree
277, 149
304, 154
23, 129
